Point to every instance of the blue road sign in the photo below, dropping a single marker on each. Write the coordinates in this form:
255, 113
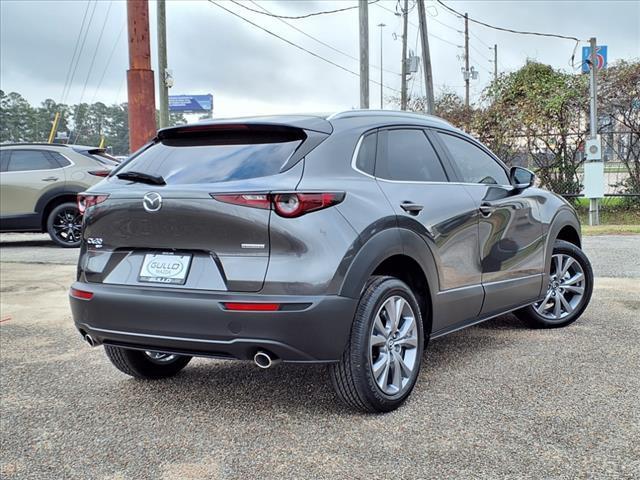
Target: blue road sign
601, 57
191, 103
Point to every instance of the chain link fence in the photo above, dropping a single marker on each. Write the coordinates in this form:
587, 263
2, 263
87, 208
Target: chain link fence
558, 161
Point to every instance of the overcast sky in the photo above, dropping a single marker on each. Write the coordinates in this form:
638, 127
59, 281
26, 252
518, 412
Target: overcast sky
248, 71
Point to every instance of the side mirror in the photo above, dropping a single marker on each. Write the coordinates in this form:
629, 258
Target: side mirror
521, 178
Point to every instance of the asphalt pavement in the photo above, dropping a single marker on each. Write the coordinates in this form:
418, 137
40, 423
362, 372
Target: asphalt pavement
493, 401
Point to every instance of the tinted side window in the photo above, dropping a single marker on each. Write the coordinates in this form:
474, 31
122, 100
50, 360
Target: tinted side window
409, 156
474, 165
61, 160
25, 160
4, 159
366, 160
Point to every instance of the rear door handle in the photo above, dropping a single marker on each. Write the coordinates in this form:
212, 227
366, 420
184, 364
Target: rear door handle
412, 208
487, 208
50, 179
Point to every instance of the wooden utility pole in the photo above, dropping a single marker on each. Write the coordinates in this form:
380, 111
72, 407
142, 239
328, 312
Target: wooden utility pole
364, 53
403, 88
495, 61
163, 90
467, 74
141, 94
426, 57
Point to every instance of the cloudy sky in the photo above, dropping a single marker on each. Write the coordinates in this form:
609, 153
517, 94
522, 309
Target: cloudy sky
248, 71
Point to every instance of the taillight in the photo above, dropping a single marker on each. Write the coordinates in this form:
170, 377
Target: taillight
288, 205
88, 201
257, 200
100, 173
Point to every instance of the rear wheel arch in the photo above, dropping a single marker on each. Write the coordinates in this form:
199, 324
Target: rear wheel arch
399, 253
52, 204
52, 198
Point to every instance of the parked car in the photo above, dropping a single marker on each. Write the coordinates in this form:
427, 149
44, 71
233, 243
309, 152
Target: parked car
349, 240
39, 184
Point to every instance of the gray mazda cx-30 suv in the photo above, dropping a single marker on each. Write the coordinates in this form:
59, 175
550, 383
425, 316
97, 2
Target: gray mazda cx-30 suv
350, 239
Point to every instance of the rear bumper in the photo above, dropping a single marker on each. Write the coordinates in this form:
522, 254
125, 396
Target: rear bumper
310, 329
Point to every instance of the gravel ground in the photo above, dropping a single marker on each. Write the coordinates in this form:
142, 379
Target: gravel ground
493, 401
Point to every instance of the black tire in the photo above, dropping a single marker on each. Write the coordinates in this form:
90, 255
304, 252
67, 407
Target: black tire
530, 316
58, 223
352, 377
140, 365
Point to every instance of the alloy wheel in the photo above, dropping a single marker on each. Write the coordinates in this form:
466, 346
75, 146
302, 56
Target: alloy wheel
566, 288
393, 345
67, 226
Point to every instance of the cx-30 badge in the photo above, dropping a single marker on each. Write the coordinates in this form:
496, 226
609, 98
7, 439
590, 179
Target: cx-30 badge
152, 202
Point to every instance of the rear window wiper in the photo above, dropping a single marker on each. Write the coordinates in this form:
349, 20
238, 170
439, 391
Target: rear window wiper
142, 178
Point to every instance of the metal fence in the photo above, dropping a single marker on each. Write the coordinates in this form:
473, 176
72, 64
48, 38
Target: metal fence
558, 161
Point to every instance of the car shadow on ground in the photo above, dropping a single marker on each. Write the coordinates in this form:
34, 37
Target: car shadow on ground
294, 387
28, 243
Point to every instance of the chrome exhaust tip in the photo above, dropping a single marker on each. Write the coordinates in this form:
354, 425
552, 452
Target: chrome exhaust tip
90, 340
264, 360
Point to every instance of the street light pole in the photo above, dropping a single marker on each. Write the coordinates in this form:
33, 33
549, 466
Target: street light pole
364, 53
381, 25
594, 214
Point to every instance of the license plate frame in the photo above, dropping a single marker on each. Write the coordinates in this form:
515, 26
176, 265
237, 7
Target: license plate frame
165, 268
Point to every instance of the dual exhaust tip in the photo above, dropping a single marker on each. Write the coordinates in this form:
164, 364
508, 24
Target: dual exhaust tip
265, 360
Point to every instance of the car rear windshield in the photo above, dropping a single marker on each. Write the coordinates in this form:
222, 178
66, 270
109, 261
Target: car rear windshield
208, 157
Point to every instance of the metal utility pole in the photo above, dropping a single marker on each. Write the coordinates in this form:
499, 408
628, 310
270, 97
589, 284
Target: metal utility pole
141, 94
426, 57
495, 61
381, 25
466, 60
403, 88
163, 89
594, 214
364, 53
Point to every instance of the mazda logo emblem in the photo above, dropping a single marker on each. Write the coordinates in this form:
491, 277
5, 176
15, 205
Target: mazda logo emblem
152, 202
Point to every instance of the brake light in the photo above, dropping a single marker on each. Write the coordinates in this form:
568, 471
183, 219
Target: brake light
288, 205
88, 201
100, 173
251, 307
81, 294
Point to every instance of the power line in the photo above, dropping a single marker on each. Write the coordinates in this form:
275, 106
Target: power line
104, 72
75, 50
301, 16
295, 44
509, 30
82, 44
90, 71
416, 26
480, 53
314, 38
480, 40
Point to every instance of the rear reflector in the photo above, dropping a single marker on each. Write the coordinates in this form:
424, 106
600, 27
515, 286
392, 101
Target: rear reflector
81, 294
251, 307
288, 204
